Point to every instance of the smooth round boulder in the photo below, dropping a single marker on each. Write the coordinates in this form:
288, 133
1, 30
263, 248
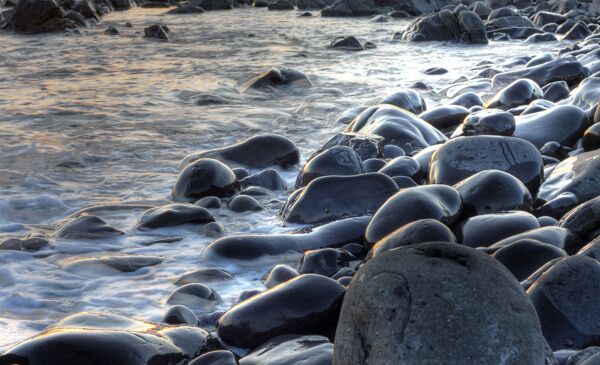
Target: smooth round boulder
566, 295
203, 275
556, 91
552, 235
374, 164
493, 191
421, 231
276, 78
403, 166
346, 44
269, 179
337, 160
179, 314
486, 229
583, 220
87, 227
307, 304
591, 138
219, 357
195, 296
524, 257
204, 177
396, 302
519, 92
462, 157
280, 274
292, 349
390, 151
333, 197
406, 99
445, 116
487, 121
209, 202
174, 215
244, 203
439, 202
324, 261
467, 100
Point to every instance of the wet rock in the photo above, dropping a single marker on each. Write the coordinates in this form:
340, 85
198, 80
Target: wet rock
280, 274
373, 164
196, 296
578, 31
397, 127
404, 182
567, 298
554, 149
524, 257
192, 8
112, 30
280, 5
292, 349
513, 155
439, 202
480, 8
584, 220
520, 92
324, 261
487, 229
214, 4
545, 17
464, 26
313, 4
348, 116
561, 69
36, 16
493, 191
174, 215
308, 304
435, 71
556, 91
536, 106
158, 31
365, 145
587, 93
403, 166
553, 235
269, 179
397, 300
511, 21
244, 203
541, 37
564, 124
260, 151
406, 99
337, 160
209, 202
487, 122
579, 175
334, 197
276, 78
346, 44
591, 138
179, 314
204, 275
109, 265
220, 357
445, 116
240, 172
390, 151
420, 231
24, 244
249, 247
87, 227
467, 100
205, 177
255, 191
97, 338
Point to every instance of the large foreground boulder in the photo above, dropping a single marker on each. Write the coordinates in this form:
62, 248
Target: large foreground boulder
437, 303
464, 26
37, 16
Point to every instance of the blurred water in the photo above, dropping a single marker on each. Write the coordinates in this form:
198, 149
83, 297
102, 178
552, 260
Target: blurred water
98, 119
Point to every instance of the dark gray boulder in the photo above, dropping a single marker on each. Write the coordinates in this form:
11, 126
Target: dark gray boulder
174, 215
292, 349
204, 177
36, 16
465, 26
519, 92
88, 227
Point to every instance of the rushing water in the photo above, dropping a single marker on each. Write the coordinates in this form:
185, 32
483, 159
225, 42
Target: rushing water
98, 119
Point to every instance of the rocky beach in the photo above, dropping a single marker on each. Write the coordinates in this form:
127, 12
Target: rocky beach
310, 182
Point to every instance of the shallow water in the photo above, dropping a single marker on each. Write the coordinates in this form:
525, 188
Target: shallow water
98, 119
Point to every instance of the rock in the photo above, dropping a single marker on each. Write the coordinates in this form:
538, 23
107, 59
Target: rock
373, 164
584, 220
513, 155
209, 202
561, 69
249, 247
406, 99
445, 116
435, 71
555, 236
578, 31
591, 138
579, 175
487, 122
280, 274
541, 37
214, 4
438, 202
515, 21
334, 197
196, 296
26, 244
538, 105
390, 151
204, 275
174, 215
564, 124
313, 4
546, 17
465, 26
219, 357
493, 191
244, 203
587, 93
111, 30
337, 160
467, 100
397, 300
280, 5
87, 227
526, 256
420, 231
36, 16
192, 8
566, 297
520, 92
324, 261
365, 145
397, 127
348, 116
97, 338
481, 9
274, 79
307, 304
556, 91
403, 166
292, 349
268, 179
158, 31
486, 229
179, 314
109, 265
260, 151
205, 177
346, 44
